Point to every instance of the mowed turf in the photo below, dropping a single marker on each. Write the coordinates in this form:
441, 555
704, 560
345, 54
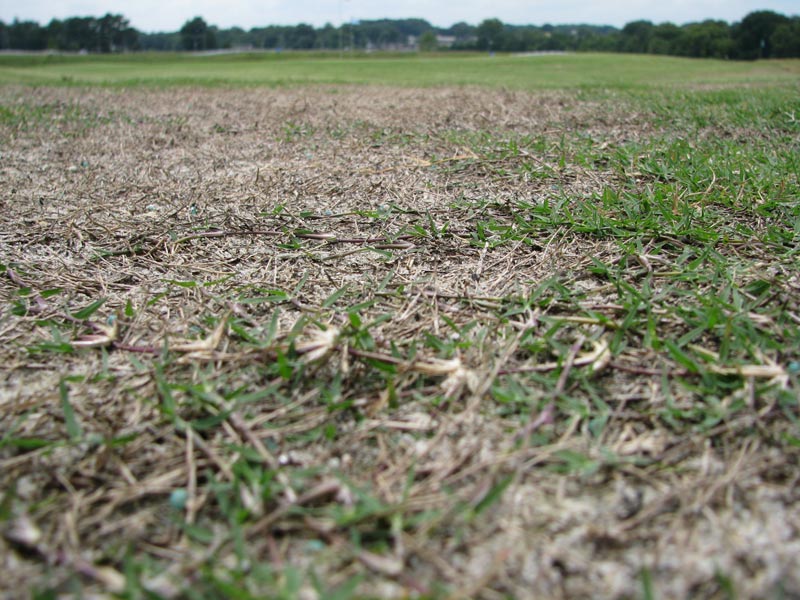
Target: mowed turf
511, 71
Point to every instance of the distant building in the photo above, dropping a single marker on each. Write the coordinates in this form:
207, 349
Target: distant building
387, 47
443, 41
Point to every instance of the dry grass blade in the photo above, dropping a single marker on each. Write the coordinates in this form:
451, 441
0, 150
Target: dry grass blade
210, 343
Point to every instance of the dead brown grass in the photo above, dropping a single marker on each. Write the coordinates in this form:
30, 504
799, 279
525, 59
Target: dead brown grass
116, 194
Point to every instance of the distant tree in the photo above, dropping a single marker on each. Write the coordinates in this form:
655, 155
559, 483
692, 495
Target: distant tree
461, 31
328, 37
594, 43
760, 34
415, 27
104, 30
786, 39
555, 41
709, 39
428, 42
354, 35
465, 34
599, 41
347, 36
164, 42
196, 35
26, 35
110, 33
664, 39
752, 38
269, 36
77, 34
382, 33
635, 37
302, 37
114, 33
54, 34
230, 38
491, 35
527, 39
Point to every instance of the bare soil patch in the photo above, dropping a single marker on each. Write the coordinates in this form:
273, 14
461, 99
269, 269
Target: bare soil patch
428, 446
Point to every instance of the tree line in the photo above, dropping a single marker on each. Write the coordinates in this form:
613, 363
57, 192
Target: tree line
761, 34
110, 33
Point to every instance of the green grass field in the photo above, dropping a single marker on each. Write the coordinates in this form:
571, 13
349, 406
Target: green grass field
435, 327
516, 72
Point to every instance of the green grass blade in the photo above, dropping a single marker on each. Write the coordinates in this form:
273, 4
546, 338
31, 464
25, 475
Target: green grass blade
74, 430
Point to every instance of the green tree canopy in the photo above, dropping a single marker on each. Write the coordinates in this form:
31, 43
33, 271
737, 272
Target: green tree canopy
26, 35
461, 30
196, 35
636, 36
786, 39
428, 41
709, 39
753, 36
491, 35
760, 34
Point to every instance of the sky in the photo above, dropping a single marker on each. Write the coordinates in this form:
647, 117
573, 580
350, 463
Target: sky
170, 15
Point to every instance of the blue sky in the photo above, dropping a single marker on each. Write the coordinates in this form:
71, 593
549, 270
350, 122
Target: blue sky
169, 15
